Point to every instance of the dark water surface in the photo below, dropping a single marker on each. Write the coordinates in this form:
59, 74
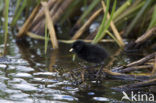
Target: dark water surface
28, 75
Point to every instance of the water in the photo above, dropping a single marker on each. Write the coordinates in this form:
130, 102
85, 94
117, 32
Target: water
27, 75
31, 76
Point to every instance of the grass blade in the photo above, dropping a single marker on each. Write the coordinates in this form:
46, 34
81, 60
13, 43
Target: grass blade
102, 31
95, 40
6, 26
122, 8
136, 19
46, 39
17, 6
90, 8
153, 21
18, 13
129, 12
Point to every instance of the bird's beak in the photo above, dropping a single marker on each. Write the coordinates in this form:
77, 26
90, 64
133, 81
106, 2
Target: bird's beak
71, 50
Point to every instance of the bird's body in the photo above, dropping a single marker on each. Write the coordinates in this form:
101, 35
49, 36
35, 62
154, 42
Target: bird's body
89, 52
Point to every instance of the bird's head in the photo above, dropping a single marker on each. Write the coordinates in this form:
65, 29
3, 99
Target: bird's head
77, 46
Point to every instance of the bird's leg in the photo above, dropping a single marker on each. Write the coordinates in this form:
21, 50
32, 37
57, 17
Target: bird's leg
99, 71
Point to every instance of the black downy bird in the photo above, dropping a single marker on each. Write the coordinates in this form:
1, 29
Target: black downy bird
89, 52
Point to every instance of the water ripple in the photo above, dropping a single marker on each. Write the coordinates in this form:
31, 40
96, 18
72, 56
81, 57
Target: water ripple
46, 73
24, 87
100, 99
23, 75
24, 69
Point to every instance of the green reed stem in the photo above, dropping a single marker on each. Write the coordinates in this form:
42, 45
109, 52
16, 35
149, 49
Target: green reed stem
129, 12
6, 25
153, 21
89, 9
18, 12
136, 19
122, 8
104, 26
101, 28
46, 39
